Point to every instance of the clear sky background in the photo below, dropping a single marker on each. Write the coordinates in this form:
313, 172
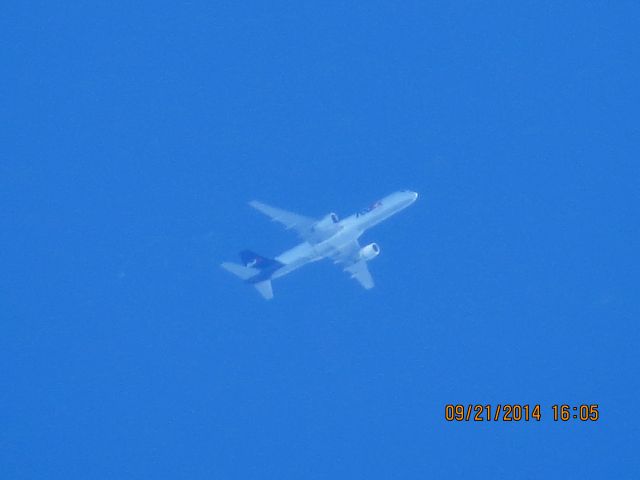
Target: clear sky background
133, 136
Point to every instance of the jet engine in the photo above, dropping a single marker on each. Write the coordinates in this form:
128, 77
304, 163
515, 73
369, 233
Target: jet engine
369, 252
326, 222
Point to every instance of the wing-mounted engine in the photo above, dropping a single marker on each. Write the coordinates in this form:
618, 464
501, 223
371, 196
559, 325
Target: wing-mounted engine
326, 222
325, 228
369, 252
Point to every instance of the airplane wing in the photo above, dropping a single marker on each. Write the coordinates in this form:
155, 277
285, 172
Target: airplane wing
292, 221
360, 272
348, 256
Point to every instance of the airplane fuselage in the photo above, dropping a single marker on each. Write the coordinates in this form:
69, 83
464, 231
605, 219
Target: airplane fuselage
347, 230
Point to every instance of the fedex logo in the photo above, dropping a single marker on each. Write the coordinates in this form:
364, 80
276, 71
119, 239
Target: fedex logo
369, 208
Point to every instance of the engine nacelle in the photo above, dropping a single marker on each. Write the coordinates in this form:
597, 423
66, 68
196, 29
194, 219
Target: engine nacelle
369, 252
327, 222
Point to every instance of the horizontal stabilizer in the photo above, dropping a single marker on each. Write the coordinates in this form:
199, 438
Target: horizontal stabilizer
241, 271
265, 289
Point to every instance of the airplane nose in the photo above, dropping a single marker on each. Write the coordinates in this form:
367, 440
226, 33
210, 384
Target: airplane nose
414, 195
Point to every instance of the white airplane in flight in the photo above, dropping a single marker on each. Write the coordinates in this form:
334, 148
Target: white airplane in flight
328, 237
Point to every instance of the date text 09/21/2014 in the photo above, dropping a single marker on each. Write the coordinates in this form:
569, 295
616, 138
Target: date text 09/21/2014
519, 412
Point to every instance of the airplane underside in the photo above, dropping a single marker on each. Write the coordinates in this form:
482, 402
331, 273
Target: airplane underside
328, 237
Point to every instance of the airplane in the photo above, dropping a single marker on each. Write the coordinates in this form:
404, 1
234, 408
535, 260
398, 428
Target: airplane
328, 237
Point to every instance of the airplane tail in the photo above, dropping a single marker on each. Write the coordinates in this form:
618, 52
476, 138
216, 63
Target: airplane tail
265, 289
253, 260
240, 271
254, 271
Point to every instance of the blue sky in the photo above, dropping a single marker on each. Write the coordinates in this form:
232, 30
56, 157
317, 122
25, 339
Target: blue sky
133, 138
